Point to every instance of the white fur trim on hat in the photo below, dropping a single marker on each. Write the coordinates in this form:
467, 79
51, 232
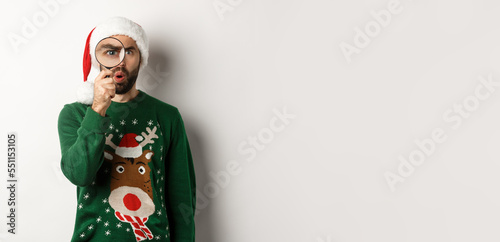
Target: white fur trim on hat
131, 152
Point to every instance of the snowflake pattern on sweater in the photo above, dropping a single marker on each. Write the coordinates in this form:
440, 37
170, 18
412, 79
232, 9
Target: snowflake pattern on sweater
129, 202
133, 171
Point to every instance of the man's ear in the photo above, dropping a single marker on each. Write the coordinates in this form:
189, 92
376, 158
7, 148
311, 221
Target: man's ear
140, 59
108, 156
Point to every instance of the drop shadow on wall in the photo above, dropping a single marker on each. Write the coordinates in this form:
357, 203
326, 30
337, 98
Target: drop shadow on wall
159, 80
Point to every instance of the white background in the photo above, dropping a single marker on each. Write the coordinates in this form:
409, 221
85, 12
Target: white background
320, 178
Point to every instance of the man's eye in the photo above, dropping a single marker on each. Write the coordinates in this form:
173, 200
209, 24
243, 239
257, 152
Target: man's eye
111, 52
129, 52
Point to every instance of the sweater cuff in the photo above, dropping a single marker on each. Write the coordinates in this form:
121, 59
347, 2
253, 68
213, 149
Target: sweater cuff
94, 122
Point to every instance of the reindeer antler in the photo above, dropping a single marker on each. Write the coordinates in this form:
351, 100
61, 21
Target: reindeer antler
148, 137
109, 142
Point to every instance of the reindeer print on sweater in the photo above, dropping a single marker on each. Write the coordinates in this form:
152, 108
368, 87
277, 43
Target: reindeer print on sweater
133, 171
131, 194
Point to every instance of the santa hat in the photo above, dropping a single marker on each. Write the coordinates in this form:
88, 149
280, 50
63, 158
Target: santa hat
112, 26
129, 148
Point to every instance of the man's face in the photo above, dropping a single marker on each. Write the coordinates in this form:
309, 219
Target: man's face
125, 74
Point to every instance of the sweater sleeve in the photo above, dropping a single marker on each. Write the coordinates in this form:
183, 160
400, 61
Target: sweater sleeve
82, 144
181, 185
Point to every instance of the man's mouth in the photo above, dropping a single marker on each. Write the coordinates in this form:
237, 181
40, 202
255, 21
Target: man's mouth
119, 77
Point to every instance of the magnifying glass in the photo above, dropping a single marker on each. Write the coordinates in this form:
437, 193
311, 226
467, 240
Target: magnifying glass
110, 52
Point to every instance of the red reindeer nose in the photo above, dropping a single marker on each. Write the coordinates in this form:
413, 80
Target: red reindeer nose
132, 202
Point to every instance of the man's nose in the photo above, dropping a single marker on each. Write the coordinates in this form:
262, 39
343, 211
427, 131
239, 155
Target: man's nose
122, 64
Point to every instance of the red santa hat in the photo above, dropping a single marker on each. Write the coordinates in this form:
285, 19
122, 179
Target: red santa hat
129, 148
110, 27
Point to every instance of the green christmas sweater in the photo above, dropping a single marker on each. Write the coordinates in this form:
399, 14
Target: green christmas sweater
133, 170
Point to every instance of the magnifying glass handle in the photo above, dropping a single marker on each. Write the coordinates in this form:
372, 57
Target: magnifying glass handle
107, 76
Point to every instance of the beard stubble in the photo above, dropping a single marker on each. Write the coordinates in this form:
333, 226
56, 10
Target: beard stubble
124, 87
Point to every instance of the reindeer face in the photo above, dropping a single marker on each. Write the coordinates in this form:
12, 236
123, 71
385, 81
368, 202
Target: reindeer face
130, 185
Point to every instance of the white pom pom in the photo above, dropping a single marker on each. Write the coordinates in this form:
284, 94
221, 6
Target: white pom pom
139, 138
85, 93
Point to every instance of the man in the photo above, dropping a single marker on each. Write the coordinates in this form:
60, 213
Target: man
126, 152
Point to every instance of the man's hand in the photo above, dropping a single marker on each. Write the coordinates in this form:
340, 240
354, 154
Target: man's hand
104, 91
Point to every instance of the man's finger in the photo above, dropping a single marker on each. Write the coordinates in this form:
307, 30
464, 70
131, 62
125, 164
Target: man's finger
106, 81
111, 93
109, 86
104, 73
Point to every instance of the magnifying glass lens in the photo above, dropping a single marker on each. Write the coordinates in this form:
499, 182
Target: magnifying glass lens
110, 52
